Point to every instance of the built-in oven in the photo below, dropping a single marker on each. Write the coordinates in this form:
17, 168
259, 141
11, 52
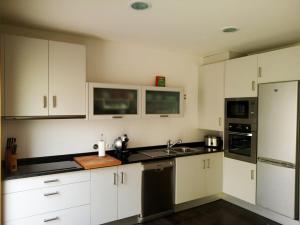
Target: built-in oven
240, 138
241, 142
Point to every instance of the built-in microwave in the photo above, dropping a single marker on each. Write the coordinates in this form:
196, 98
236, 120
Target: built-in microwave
242, 109
240, 138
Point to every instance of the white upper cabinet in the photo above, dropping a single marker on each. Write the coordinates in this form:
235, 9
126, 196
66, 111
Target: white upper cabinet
162, 102
67, 77
43, 78
241, 77
211, 97
279, 65
113, 101
26, 76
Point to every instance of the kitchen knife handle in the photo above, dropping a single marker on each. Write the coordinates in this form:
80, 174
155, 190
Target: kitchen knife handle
253, 85
45, 101
204, 164
115, 179
252, 174
51, 181
54, 101
51, 193
208, 163
51, 219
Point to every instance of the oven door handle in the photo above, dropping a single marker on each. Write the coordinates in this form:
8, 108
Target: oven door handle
241, 134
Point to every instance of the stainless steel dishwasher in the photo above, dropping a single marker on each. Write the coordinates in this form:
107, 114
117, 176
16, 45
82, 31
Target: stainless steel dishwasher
157, 189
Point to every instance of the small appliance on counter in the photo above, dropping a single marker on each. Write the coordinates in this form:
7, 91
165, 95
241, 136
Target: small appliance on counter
11, 155
120, 145
212, 141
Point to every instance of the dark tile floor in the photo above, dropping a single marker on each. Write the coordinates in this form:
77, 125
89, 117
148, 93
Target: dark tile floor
216, 213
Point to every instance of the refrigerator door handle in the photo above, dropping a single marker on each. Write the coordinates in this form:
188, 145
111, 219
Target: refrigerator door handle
276, 162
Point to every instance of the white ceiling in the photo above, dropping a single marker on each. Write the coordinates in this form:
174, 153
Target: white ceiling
192, 26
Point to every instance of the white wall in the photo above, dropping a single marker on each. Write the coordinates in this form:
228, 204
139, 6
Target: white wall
113, 63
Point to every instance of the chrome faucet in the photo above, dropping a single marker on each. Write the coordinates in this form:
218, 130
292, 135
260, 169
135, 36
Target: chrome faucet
171, 145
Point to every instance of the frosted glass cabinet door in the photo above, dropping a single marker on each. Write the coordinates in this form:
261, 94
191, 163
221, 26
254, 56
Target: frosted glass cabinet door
114, 101
162, 102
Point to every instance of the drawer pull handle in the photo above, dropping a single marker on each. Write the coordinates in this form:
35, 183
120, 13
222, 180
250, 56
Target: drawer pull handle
115, 179
51, 219
204, 164
51, 181
164, 115
122, 177
117, 117
208, 163
51, 193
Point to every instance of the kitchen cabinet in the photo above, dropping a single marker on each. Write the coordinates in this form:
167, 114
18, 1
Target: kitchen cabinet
112, 189
26, 76
198, 176
241, 77
113, 101
211, 97
67, 79
46, 194
279, 65
162, 102
239, 179
42, 78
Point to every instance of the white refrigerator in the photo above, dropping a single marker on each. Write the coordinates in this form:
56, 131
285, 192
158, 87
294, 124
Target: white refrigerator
277, 187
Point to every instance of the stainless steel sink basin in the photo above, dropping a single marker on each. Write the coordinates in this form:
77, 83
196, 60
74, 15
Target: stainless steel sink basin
184, 150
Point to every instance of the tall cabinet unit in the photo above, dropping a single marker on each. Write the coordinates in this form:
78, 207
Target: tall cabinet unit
279, 65
211, 97
115, 193
241, 77
43, 78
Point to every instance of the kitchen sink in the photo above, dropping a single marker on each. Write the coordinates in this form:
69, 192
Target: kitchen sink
184, 150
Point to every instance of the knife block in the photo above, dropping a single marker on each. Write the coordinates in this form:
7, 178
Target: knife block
11, 161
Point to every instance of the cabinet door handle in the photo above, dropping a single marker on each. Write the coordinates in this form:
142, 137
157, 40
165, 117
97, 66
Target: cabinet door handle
208, 163
204, 164
51, 193
252, 174
45, 101
253, 85
117, 117
51, 219
164, 115
122, 177
259, 71
51, 181
115, 179
54, 101
220, 121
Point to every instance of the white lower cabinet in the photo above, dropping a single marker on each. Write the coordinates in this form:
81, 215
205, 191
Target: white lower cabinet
59, 198
198, 176
73, 216
115, 193
239, 179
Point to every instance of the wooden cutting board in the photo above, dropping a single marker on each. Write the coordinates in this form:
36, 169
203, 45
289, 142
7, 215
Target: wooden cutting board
94, 161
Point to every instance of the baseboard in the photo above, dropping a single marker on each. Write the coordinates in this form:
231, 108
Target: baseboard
259, 210
127, 221
197, 202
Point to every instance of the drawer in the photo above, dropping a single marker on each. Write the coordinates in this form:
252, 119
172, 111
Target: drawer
29, 183
29, 203
74, 216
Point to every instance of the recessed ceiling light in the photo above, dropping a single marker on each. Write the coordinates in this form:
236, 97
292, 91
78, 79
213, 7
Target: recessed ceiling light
140, 5
230, 29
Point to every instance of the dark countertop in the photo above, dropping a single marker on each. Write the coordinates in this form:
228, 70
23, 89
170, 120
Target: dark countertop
39, 166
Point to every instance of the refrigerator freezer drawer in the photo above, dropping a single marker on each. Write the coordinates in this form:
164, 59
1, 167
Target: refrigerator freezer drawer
276, 188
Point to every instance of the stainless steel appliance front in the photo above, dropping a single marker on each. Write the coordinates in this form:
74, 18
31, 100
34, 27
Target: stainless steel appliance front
241, 129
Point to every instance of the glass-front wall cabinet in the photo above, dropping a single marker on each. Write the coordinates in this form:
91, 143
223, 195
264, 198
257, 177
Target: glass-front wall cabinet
162, 102
114, 101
